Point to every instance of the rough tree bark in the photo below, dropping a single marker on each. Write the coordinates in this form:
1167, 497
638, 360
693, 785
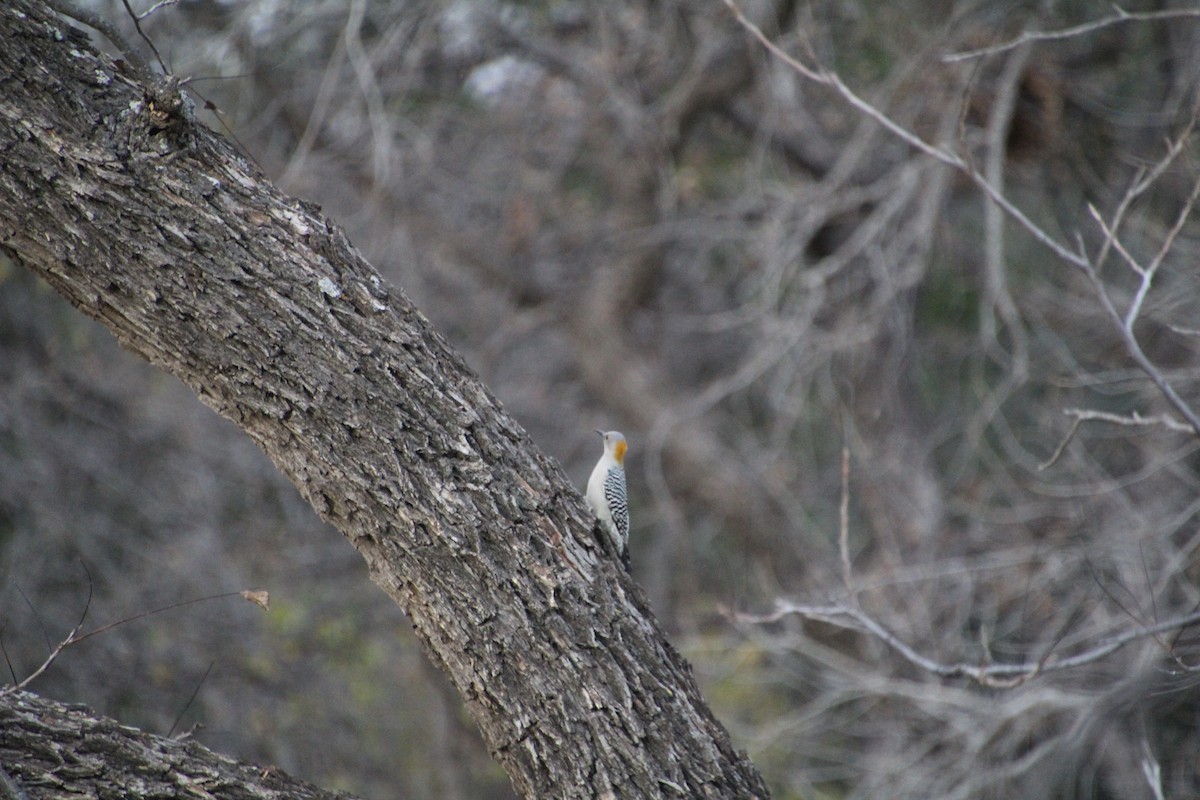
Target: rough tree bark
156, 227
50, 749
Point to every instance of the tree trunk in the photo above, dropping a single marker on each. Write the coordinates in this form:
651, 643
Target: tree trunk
156, 227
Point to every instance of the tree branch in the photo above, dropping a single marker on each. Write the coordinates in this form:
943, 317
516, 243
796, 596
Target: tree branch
833, 80
161, 231
1077, 259
1075, 30
57, 750
994, 675
1081, 415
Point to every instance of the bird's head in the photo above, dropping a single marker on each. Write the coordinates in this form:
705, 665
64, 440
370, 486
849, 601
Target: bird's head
614, 442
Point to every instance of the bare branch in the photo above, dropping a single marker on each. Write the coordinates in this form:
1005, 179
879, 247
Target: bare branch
156, 7
1058, 451
70, 639
999, 299
1152, 770
317, 114
993, 675
1136, 419
1141, 183
1167, 243
33, 609
1110, 231
1134, 349
74, 637
1075, 30
1111, 240
831, 79
364, 72
137, 24
844, 523
8, 661
1074, 258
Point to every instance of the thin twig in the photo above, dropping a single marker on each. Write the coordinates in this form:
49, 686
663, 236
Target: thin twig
156, 7
1111, 240
1141, 183
71, 638
1081, 415
74, 637
1168, 242
137, 24
1058, 451
8, 661
1134, 349
191, 699
1134, 419
152, 612
1076, 30
1149, 583
33, 610
998, 297
1175, 641
368, 82
1182, 331
844, 524
1125, 322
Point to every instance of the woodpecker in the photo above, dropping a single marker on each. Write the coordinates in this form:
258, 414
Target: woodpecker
606, 492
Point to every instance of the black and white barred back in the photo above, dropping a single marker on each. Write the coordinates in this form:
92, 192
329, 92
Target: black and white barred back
618, 505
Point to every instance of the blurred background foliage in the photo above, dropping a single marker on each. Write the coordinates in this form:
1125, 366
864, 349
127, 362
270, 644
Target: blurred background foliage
626, 215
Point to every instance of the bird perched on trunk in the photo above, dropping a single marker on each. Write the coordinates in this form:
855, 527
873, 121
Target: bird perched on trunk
606, 492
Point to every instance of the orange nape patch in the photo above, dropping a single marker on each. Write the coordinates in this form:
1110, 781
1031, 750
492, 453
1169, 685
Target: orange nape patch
619, 451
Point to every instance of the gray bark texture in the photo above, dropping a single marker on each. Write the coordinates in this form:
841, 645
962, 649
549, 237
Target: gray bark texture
158, 228
49, 749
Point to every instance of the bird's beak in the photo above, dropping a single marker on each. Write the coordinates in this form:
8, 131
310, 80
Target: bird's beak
599, 431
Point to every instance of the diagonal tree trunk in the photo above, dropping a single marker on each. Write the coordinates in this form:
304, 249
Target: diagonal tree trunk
156, 227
